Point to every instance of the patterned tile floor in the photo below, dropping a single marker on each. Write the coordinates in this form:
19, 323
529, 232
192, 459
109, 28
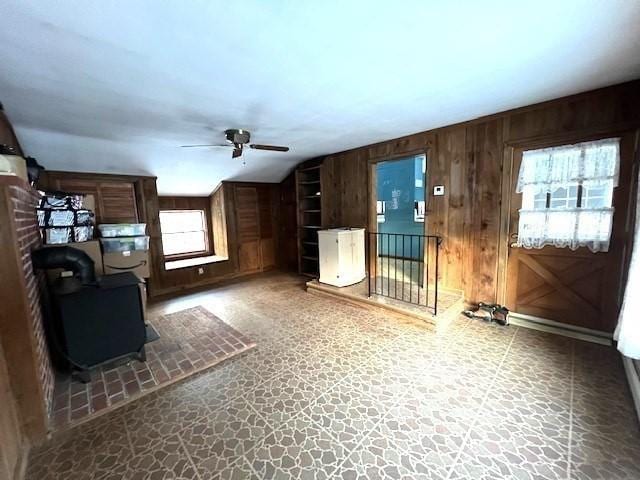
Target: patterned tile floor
190, 340
337, 391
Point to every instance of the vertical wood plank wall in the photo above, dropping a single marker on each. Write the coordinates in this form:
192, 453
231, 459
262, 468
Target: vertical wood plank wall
468, 160
227, 235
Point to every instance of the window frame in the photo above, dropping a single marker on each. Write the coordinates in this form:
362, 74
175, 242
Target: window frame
580, 201
581, 198
208, 251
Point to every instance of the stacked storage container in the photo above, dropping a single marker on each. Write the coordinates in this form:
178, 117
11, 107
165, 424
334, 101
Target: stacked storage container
62, 219
125, 248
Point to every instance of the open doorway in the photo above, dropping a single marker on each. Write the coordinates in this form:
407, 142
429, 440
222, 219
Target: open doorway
400, 197
401, 246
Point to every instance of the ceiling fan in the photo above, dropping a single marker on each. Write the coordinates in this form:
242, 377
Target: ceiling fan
238, 138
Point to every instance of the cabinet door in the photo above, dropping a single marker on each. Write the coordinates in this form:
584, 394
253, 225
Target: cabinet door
117, 202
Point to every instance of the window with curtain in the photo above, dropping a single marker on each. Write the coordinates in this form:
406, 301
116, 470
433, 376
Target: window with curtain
184, 233
567, 195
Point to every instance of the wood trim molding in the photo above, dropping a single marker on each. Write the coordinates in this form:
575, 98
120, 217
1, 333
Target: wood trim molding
505, 220
576, 136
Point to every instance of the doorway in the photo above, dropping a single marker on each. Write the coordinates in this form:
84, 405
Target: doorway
399, 268
400, 199
566, 267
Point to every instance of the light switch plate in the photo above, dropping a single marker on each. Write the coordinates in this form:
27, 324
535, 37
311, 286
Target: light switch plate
438, 190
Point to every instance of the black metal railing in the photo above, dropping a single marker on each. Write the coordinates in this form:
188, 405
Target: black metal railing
404, 267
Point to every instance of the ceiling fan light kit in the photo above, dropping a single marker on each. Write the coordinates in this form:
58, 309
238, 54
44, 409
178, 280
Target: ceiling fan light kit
238, 138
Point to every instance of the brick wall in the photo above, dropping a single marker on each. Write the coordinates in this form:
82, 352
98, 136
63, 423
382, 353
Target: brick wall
24, 202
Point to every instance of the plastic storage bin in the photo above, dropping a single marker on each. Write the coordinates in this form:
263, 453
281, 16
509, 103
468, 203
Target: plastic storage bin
112, 230
124, 244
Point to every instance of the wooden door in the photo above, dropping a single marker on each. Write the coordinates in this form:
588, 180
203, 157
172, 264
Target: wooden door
579, 287
267, 247
248, 226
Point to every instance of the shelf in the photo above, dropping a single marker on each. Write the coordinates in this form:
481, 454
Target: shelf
308, 199
316, 167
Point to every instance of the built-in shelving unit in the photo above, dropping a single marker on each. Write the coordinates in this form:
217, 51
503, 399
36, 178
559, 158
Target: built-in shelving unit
309, 196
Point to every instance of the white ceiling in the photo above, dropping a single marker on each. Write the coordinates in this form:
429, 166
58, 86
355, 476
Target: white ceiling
117, 86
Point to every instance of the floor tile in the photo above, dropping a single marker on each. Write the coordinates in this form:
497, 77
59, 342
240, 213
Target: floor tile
337, 391
151, 419
515, 450
165, 460
224, 436
348, 414
282, 398
94, 452
378, 457
230, 380
299, 449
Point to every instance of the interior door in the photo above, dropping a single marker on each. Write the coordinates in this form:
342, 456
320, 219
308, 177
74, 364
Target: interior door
267, 247
579, 287
248, 225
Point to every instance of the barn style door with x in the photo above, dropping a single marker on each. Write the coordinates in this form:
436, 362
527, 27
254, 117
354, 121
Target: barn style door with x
576, 287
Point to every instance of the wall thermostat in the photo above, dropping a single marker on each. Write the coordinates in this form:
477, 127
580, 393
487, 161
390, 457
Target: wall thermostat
438, 190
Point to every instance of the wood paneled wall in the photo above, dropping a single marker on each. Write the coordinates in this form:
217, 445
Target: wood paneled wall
287, 247
219, 222
7, 135
224, 211
467, 159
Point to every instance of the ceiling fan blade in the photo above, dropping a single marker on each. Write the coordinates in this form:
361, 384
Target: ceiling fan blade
204, 146
269, 147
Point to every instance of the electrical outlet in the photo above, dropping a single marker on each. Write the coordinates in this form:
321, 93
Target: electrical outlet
200, 271
438, 190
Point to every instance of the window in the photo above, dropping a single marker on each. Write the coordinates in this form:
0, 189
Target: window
567, 195
184, 232
381, 207
418, 211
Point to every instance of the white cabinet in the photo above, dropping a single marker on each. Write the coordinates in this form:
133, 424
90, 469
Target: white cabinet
341, 256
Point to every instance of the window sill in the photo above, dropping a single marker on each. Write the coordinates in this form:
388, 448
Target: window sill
193, 262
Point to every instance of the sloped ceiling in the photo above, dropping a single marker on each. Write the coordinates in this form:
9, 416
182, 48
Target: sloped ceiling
117, 86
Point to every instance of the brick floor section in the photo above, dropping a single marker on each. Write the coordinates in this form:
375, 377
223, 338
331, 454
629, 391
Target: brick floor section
190, 341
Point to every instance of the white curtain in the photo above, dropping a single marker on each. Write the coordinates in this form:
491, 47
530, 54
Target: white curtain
587, 164
558, 166
628, 331
570, 228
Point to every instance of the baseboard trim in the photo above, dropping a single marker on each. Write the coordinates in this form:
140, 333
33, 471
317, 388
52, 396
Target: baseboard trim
551, 326
633, 377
